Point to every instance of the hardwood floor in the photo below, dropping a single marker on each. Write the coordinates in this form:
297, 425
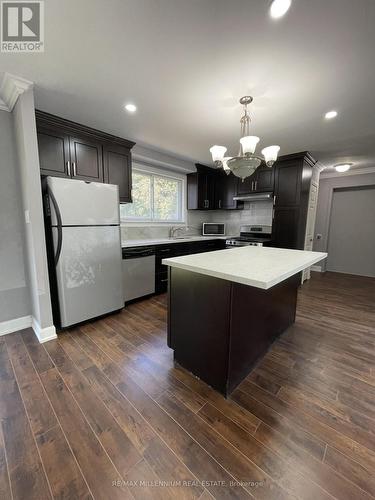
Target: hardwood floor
103, 413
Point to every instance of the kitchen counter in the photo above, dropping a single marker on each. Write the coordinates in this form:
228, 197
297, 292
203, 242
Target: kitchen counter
260, 267
225, 308
167, 241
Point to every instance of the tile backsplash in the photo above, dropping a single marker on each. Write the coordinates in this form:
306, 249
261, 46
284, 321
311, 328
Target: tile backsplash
259, 212
194, 220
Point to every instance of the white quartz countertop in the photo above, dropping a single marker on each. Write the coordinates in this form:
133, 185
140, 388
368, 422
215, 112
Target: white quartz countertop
261, 267
164, 241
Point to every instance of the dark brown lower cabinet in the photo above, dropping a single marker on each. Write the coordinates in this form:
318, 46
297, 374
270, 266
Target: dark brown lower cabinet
285, 227
213, 333
176, 250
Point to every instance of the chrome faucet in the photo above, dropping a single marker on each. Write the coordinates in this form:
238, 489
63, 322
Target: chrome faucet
173, 230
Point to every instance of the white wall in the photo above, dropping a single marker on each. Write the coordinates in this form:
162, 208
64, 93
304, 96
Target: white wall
323, 215
28, 159
14, 296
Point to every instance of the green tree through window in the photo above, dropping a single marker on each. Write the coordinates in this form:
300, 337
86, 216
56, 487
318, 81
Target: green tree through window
156, 198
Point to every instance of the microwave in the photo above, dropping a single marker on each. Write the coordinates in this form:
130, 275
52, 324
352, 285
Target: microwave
213, 229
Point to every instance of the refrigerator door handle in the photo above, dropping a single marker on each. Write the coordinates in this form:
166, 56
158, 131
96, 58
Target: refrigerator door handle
58, 226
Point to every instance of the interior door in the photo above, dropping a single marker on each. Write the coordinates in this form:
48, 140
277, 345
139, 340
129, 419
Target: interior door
54, 155
87, 159
351, 239
89, 272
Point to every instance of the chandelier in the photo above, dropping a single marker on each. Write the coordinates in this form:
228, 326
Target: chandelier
246, 162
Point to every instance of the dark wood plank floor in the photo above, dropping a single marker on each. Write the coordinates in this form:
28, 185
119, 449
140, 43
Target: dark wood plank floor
103, 413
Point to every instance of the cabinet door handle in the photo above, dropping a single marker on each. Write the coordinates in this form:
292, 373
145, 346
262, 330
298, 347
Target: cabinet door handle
256, 185
74, 168
252, 185
68, 167
274, 200
219, 203
208, 203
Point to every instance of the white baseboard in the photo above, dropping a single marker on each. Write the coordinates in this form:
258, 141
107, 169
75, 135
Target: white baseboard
43, 334
317, 269
14, 325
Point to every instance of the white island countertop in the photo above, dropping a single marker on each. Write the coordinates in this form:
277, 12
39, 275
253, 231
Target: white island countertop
261, 267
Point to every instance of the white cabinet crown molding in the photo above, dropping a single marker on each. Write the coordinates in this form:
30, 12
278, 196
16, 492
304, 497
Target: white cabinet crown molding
11, 88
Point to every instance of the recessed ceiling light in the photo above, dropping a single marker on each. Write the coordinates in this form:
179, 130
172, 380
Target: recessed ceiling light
279, 8
343, 167
330, 115
132, 108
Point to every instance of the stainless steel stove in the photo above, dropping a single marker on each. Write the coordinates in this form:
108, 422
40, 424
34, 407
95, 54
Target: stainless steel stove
251, 235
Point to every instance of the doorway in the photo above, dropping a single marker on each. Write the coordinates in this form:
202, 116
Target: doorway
351, 239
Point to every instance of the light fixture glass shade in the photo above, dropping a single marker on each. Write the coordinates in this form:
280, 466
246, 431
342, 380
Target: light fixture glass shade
270, 154
249, 143
344, 167
218, 153
243, 167
225, 165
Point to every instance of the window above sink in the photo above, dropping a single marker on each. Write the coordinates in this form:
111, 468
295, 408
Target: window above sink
157, 198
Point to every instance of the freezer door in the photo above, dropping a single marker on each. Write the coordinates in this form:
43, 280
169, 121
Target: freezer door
89, 272
83, 203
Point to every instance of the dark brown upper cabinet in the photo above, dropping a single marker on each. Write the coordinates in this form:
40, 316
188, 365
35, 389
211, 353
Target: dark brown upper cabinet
291, 194
54, 152
86, 159
264, 179
117, 169
68, 149
211, 189
201, 188
225, 190
261, 181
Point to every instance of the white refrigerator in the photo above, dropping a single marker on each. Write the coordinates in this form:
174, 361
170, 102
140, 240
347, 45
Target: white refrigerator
87, 248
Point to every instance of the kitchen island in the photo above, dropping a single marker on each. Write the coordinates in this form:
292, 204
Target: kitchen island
225, 308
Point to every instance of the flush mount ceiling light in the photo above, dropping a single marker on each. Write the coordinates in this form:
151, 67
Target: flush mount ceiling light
330, 114
343, 167
132, 108
246, 162
279, 8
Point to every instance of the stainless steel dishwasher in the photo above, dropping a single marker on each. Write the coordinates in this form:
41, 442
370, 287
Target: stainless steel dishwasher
138, 271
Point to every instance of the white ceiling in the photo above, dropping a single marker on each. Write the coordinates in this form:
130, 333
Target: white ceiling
185, 63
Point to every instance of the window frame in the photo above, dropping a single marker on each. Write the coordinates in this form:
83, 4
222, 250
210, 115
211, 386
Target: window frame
158, 172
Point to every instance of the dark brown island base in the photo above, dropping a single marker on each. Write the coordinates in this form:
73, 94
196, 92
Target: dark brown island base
219, 328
